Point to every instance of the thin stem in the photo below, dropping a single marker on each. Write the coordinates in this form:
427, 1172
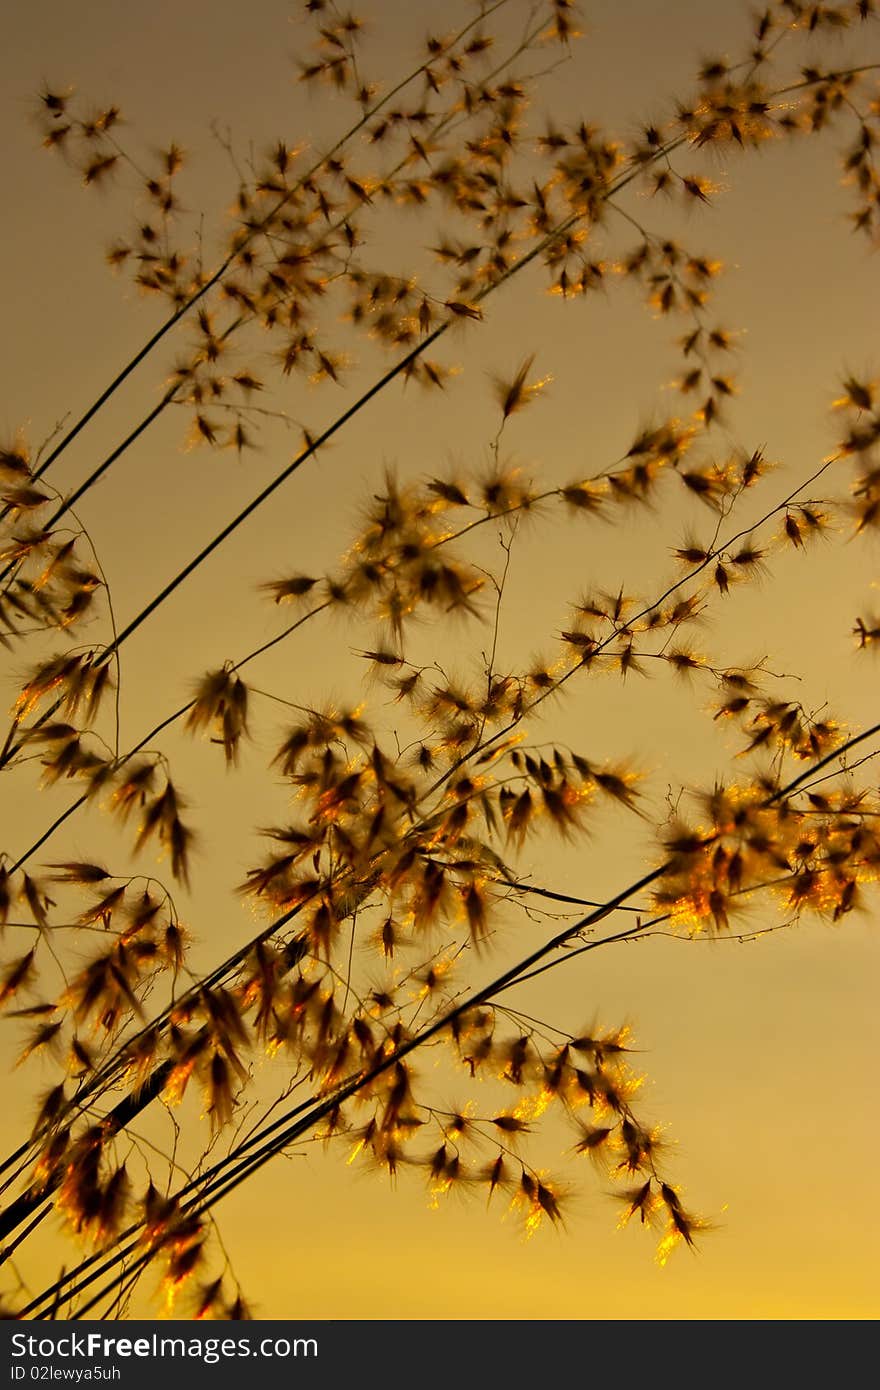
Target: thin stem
291, 1127
217, 274
105, 1079
538, 249
158, 729
294, 1123
311, 448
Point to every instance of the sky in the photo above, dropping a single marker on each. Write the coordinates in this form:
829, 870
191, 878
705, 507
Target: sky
759, 1056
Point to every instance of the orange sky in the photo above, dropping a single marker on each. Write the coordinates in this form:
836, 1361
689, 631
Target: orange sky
760, 1057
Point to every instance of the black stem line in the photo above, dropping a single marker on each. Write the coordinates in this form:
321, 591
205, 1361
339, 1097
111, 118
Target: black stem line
517, 974
68, 502
441, 1023
312, 446
171, 394
121, 1115
544, 243
318, 1110
198, 294
158, 729
505, 981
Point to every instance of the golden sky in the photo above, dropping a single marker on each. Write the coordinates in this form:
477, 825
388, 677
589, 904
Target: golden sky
759, 1056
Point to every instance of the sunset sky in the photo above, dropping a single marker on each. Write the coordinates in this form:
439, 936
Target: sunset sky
759, 1056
